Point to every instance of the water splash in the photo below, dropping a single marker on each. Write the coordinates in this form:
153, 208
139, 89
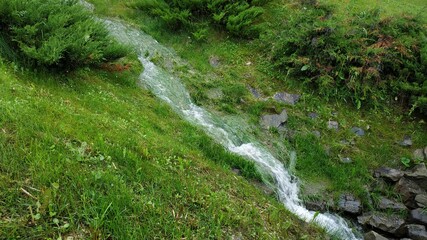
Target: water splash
170, 89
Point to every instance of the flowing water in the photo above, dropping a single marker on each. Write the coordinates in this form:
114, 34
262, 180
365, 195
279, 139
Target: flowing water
169, 88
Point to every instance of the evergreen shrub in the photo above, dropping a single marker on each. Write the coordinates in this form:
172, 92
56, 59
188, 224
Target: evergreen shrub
367, 59
56, 34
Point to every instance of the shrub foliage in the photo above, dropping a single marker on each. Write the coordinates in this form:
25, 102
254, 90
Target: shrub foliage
366, 59
238, 17
55, 33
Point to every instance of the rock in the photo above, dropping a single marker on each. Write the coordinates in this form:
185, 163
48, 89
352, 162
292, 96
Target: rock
388, 223
215, 93
419, 216
274, 120
385, 203
333, 125
346, 160
254, 92
419, 175
313, 115
348, 203
421, 200
317, 206
374, 236
425, 151
407, 141
408, 190
416, 232
418, 154
287, 98
214, 61
358, 131
388, 173
316, 133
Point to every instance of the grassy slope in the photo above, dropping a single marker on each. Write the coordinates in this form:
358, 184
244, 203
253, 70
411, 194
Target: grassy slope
243, 64
92, 156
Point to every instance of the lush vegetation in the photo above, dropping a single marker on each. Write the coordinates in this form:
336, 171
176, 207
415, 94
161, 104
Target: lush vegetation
364, 58
237, 17
54, 34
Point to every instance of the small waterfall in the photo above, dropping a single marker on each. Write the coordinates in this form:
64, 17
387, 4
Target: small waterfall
169, 88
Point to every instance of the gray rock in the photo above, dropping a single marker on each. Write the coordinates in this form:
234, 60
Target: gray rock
419, 216
385, 203
318, 206
416, 232
254, 92
421, 200
408, 190
287, 98
388, 223
215, 93
333, 125
425, 151
214, 61
316, 133
313, 115
358, 131
388, 173
274, 120
348, 203
419, 175
407, 141
346, 160
374, 236
418, 154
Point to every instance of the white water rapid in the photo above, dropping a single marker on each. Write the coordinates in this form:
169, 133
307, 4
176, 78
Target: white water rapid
170, 89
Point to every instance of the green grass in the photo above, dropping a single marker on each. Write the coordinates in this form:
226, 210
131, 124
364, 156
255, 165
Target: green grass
92, 156
242, 64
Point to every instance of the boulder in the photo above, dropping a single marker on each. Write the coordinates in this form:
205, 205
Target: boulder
408, 190
388, 173
374, 236
287, 98
274, 120
388, 223
418, 216
421, 200
419, 175
333, 125
416, 232
385, 203
348, 203
358, 131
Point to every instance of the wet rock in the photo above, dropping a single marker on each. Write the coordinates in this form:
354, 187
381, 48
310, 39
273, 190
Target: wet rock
348, 203
416, 232
346, 160
287, 98
333, 125
358, 131
317, 206
419, 216
408, 190
313, 115
214, 61
407, 141
418, 154
274, 120
421, 200
254, 92
374, 236
385, 203
215, 93
388, 173
388, 223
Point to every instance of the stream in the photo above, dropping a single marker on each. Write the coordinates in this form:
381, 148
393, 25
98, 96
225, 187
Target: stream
169, 88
